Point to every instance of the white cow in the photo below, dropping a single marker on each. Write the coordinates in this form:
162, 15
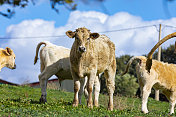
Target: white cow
54, 60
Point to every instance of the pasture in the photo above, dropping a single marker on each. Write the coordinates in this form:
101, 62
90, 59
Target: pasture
24, 101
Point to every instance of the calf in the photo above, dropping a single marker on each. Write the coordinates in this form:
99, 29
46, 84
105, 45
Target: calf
162, 77
92, 54
55, 60
7, 58
166, 75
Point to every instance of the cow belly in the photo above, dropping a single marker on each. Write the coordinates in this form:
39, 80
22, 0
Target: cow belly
64, 74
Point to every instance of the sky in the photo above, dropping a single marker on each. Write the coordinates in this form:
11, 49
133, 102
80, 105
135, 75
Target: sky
131, 24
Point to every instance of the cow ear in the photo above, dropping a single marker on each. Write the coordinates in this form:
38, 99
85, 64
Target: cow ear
70, 34
8, 51
94, 35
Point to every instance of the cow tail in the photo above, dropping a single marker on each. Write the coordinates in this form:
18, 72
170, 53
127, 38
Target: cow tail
149, 58
129, 63
37, 50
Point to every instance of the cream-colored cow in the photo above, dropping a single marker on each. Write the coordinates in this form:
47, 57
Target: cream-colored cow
7, 58
92, 54
55, 60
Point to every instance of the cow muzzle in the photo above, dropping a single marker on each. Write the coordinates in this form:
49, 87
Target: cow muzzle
82, 49
14, 67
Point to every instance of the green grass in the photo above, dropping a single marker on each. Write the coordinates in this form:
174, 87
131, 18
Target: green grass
24, 101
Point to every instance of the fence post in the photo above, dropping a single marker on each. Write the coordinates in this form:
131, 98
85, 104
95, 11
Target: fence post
159, 58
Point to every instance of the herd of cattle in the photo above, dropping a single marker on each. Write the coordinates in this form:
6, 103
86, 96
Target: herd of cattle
90, 55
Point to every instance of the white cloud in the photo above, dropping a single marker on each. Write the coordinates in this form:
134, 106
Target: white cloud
134, 42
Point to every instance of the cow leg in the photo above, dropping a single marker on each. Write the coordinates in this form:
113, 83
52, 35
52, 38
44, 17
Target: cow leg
91, 79
141, 85
83, 82
76, 81
96, 91
43, 85
43, 78
172, 105
85, 89
110, 82
145, 94
172, 102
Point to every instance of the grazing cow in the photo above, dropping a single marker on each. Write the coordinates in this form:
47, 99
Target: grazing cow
7, 58
92, 54
54, 60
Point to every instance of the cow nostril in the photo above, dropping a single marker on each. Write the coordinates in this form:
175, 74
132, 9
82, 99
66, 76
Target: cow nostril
15, 66
82, 49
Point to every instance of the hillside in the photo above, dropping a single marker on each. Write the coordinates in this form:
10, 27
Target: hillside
24, 101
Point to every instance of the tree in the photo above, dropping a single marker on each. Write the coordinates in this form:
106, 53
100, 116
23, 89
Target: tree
126, 85
69, 4
121, 65
167, 55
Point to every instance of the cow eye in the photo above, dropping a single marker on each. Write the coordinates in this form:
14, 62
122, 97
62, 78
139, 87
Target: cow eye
88, 38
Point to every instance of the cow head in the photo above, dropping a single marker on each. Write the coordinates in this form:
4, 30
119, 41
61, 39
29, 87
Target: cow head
9, 58
82, 37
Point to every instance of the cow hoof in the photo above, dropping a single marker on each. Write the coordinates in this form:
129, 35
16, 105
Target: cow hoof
96, 104
75, 105
145, 111
43, 99
110, 108
90, 105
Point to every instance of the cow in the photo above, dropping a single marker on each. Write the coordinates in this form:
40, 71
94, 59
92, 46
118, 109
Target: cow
159, 75
90, 55
7, 58
166, 74
55, 60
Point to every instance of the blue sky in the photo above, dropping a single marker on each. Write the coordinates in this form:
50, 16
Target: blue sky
41, 20
147, 9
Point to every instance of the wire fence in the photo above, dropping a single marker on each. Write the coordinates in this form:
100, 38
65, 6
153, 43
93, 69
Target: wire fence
108, 31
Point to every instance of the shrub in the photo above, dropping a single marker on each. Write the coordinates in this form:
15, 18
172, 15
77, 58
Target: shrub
126, 85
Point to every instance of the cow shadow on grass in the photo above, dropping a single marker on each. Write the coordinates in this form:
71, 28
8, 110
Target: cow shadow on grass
24, 100
28, 101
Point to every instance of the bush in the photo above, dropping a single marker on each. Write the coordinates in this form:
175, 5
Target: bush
126, 85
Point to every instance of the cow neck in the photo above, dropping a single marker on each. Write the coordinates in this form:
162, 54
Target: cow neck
3, 63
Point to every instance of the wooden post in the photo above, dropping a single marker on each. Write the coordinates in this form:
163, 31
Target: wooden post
159, 58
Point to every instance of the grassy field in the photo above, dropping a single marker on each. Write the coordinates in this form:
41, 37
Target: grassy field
24, 101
